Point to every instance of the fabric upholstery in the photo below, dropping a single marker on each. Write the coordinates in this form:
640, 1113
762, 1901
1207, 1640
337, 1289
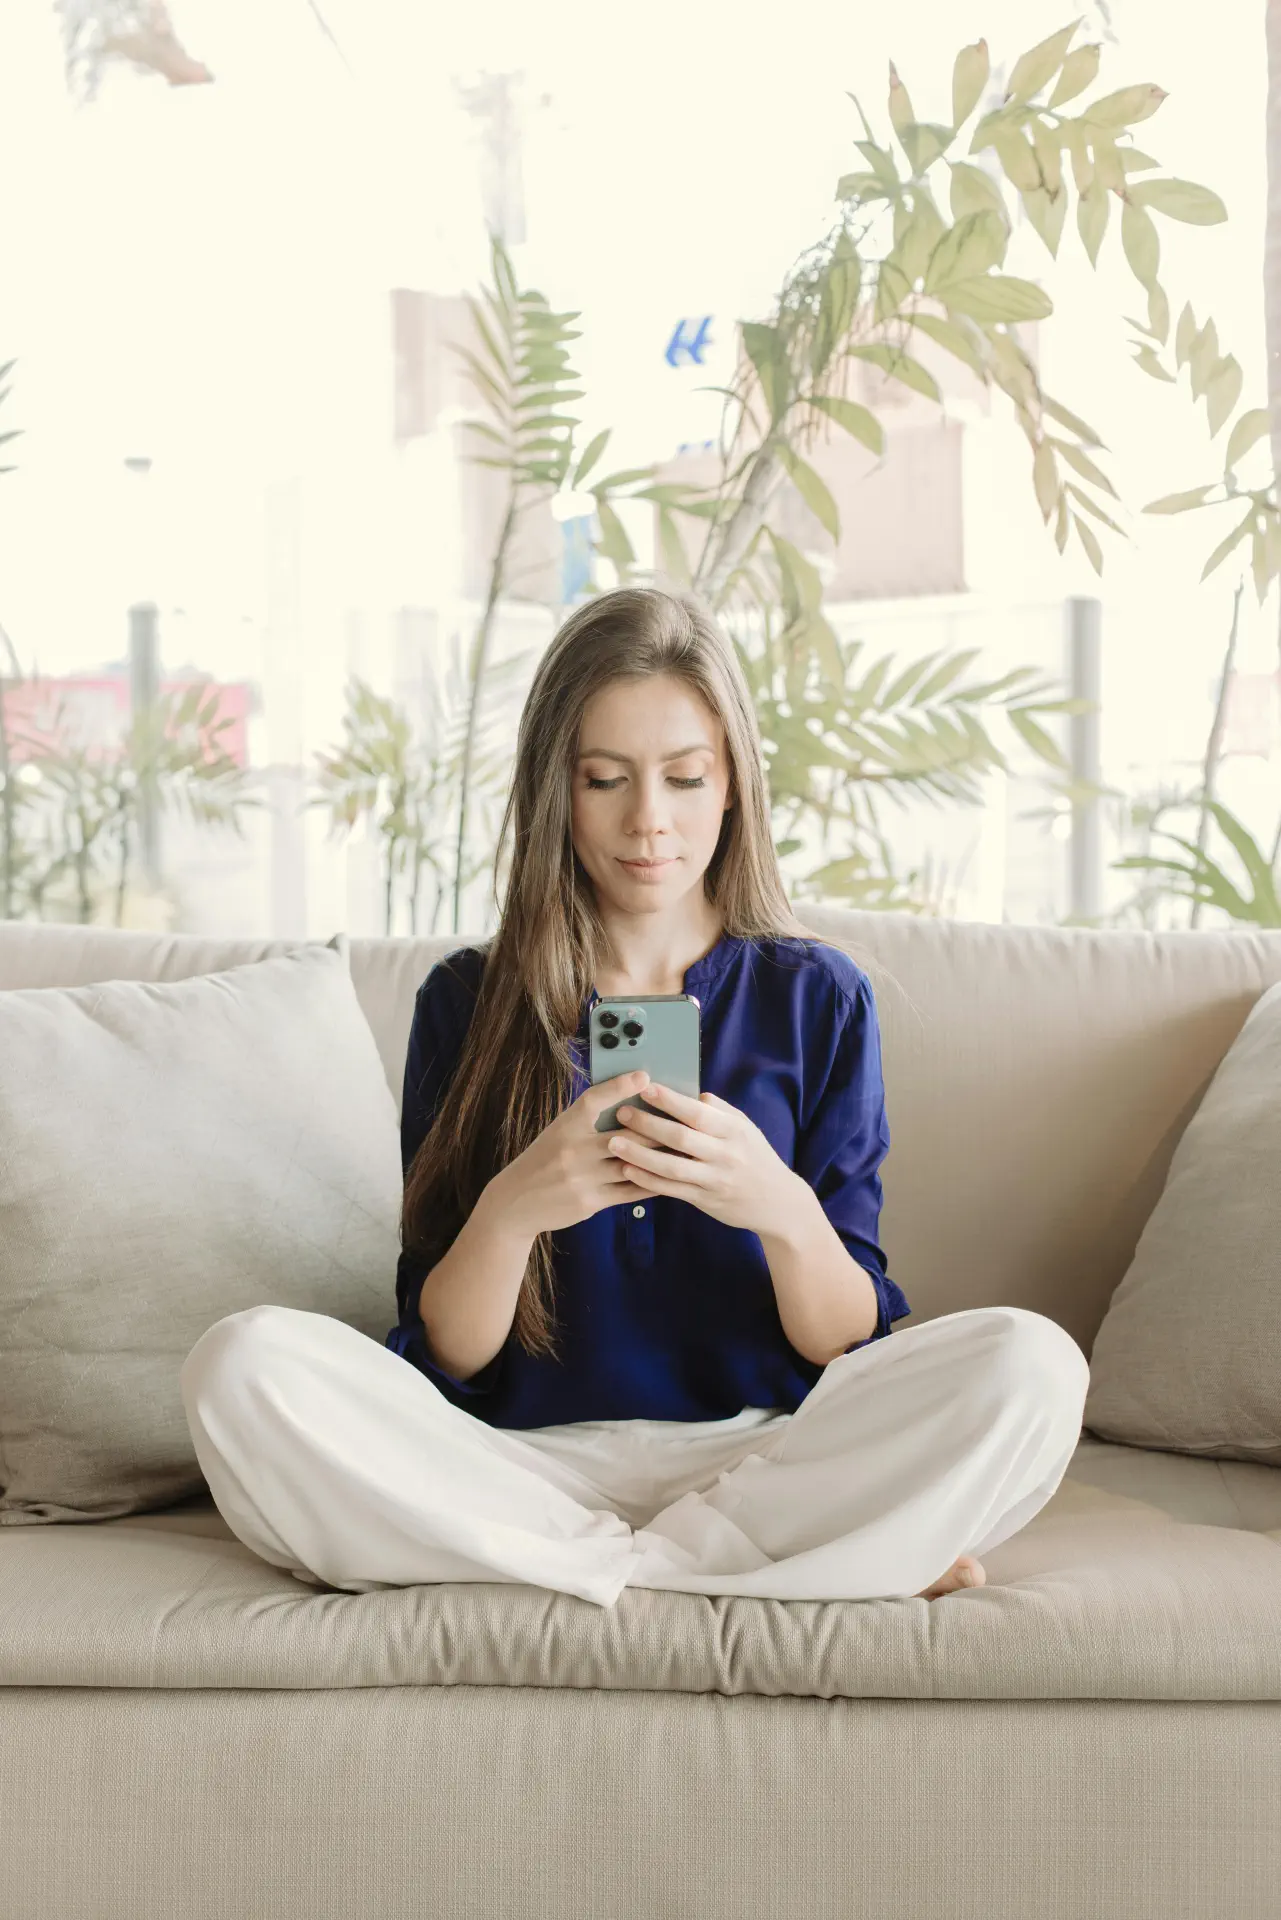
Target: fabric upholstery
169, 1154
1103, 1595
1095, 1732
1189, 1355
511, 1803
1038, 1078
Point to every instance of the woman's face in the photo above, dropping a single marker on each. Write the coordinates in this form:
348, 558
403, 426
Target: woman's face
651, 782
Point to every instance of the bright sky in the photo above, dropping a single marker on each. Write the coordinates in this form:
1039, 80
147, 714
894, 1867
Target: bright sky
200, 274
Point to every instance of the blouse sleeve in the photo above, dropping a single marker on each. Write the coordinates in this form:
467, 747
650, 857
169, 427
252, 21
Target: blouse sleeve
840, 1151
442, 1009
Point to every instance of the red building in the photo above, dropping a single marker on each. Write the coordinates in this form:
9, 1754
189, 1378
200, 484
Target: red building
94, 709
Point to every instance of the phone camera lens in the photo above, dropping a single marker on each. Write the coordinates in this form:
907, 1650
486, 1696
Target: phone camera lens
633, 1029
609, 1039
609, 1020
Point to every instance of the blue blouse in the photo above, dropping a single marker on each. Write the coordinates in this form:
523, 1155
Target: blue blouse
662, 1312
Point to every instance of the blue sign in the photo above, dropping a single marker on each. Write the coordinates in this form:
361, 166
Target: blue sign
693, 349
576, 557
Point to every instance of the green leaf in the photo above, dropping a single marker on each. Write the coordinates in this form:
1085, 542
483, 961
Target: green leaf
881, 161
1084, 465
952, 336
1271, 534
592, 455
921, 230
674, 559
859, 187
945, 675
812, 489
625, 477
1092, 507
892, 288
1066, 419
1092, 219
1146, 359
1158, 313
970, 72
1225, 546
992, 123
976, 243
1184, 335
1249, 428
1045, 140
1047, 212
1076, 139
998, 296
1248, 850
1123, 108
1045, 478
765, 350
900, 687
1017, 158
974, 191
1223, 392
926, 141
1033, 69
1259, 563
1037, 738
1203, 357
1089, 540
857, 420
838, 302
900, 105
1141, 242
1080, 69
899, 366
485, 380
613, 542
1180, 200
1179, 502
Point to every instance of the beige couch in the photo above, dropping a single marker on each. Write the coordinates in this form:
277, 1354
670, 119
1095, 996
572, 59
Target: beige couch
186, 1731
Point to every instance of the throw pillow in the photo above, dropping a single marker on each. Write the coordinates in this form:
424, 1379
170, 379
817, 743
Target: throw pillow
169, 1154
1188, 1359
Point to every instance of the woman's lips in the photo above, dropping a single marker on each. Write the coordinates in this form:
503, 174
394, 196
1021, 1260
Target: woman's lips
641, 867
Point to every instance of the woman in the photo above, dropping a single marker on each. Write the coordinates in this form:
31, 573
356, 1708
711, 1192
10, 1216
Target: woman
656, 1356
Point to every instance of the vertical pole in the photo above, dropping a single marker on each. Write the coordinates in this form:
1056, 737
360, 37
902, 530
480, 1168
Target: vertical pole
1085, 887
144, 692
284, 691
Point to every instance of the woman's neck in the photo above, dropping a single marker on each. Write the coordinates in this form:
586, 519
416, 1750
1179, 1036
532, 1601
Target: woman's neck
661, 970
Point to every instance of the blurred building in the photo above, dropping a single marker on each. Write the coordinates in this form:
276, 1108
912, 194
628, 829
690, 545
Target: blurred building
94, 710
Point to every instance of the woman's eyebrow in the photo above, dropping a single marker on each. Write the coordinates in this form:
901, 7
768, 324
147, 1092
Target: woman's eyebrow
607, 753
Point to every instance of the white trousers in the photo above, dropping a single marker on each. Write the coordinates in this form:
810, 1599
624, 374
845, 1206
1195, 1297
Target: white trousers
334, 1458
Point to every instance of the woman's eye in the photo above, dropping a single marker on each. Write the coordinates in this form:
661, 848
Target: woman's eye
607, 785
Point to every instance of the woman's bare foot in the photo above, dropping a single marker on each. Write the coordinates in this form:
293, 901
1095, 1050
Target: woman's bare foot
965, 1572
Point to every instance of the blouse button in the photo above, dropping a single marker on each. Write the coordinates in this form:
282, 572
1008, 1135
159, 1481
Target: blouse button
638, 1213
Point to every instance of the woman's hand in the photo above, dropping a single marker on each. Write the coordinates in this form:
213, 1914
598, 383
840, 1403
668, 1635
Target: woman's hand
567, 1172
732, 1172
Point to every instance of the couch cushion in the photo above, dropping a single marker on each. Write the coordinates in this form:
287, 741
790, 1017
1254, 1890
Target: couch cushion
1103, 1595
1189, 1353
171, 1154
1038, 1078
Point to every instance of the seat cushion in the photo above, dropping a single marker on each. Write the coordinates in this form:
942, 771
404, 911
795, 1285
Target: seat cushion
1146, 1577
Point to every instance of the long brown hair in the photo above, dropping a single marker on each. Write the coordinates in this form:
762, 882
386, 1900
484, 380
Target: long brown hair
514, 1072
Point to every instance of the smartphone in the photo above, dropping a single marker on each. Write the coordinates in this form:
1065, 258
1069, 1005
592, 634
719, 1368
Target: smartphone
660, 1032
